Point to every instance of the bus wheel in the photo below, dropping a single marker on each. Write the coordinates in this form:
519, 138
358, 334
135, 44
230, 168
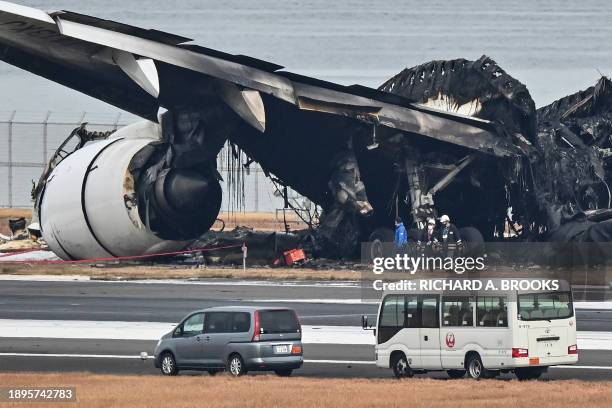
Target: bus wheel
400, 366
456, 373
528, 373
474, 367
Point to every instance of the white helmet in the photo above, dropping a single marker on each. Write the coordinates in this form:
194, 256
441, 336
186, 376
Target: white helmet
445, 218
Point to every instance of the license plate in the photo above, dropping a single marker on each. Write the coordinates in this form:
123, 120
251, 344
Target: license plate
284, 349
534, 361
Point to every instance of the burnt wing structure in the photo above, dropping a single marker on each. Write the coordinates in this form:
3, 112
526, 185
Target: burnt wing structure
457, 137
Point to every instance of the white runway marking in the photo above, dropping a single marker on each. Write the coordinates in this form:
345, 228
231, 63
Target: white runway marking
45, 278
593, 305
348, 362
134, 357
320, 301
341, 362
584, 367
75, 356
79, 329
84, 329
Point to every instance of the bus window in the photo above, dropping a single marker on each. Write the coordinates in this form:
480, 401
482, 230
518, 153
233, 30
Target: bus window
491, 311
545, 306
458, 311
392, 314
429, 312
391, 318
398, 312
412, 312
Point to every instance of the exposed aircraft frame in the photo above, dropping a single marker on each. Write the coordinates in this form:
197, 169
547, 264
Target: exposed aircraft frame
363, 155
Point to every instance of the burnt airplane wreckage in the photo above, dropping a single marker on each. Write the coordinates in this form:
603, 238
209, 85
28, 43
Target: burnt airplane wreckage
562, 177
457, 137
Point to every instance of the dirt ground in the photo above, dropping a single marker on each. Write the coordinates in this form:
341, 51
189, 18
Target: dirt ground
110, 272
270, 391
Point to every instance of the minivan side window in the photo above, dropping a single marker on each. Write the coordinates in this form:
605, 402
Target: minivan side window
241, 322
193, 325
491, 311
458, 311
218, 322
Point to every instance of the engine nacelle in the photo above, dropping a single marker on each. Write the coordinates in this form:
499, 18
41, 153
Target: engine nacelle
89, 207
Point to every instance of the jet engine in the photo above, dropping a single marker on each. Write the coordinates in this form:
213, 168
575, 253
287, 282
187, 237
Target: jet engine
90, 206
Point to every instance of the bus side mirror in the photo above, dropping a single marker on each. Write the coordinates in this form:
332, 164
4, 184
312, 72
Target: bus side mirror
364, 323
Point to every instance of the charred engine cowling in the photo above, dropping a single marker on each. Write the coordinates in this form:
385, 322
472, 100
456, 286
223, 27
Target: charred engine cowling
179, 195
147, 189
87, 205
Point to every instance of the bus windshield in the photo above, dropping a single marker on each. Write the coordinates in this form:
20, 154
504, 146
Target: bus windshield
545, 306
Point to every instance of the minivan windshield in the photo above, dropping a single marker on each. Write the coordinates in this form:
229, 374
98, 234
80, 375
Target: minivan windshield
545, 306
278, 321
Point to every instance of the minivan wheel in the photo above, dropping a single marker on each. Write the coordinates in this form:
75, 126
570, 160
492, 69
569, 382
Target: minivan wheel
168, 364
235, 365
456, 373
400, 366
475, 368
283, 373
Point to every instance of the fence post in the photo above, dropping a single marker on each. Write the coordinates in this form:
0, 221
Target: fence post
256, 185
10, 159
45, 137
116, 125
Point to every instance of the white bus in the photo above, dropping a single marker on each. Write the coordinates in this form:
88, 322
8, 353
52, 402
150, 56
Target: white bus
481, 333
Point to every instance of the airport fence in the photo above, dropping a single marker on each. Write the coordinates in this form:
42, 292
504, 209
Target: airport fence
28, 140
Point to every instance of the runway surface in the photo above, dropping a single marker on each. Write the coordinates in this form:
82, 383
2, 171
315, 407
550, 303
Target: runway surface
103, 327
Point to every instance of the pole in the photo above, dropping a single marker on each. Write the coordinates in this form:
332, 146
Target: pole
256, 185
116, 125
244, 255
10, 159
46, 137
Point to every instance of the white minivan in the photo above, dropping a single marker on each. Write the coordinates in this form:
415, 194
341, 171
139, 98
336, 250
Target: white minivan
481, 333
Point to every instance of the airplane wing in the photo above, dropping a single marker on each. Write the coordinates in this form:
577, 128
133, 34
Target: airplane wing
137, 70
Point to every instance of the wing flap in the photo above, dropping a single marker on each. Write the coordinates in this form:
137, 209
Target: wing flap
153, 35
34, 43
212, 66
